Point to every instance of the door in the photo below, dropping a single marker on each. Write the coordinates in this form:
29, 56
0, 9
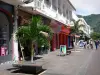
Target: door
4, 34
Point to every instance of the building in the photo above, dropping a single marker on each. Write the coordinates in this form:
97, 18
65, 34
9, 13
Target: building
85, 27
6, 31
55, 13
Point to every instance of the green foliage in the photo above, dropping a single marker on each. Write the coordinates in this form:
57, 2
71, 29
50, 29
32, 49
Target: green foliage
95, 36
75, 28
23, 34
32, 33
47, 29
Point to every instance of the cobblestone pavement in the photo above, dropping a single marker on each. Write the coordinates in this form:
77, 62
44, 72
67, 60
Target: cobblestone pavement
72, 64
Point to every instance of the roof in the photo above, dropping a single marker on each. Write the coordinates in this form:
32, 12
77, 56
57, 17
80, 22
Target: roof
71, 5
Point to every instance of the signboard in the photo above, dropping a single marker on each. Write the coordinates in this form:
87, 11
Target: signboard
3, 53
63, 49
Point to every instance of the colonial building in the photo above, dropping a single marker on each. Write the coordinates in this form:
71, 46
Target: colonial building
87, 30
55, 13
85, 27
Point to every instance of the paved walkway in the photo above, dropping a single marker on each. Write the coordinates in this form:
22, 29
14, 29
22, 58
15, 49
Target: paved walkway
72, 64
54, 64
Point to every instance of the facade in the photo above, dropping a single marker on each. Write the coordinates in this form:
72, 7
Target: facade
85, 27
6, 31
55, 13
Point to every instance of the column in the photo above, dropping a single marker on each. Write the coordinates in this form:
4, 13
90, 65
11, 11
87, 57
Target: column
58, 40
15, 42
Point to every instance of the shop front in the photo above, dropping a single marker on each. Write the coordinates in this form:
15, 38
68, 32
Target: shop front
6, 29
64, 36
56, 27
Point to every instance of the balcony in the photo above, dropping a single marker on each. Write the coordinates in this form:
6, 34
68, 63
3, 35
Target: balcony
17, 2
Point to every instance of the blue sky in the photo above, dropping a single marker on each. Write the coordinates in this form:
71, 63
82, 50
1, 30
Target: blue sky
86, 7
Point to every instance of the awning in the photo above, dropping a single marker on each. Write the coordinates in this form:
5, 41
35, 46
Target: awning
77, 36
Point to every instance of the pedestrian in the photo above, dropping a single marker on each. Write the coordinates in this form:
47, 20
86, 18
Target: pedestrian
91, 44
96, 44
85, 44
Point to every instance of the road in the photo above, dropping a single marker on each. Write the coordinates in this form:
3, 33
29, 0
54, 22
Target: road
93, 67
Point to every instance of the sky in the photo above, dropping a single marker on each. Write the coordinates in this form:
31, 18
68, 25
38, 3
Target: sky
86, 7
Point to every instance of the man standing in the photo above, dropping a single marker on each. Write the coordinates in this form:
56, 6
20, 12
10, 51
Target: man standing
96, 44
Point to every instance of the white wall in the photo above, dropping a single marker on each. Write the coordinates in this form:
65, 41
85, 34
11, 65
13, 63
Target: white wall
49, 11
15, 42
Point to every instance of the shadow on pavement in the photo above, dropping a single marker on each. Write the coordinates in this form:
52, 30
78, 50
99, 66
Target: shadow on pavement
19, 70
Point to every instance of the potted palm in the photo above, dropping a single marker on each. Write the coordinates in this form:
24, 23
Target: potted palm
35, 32
46, 35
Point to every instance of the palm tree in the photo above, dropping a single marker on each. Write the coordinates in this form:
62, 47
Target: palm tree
22, 36
34, 32
76, 27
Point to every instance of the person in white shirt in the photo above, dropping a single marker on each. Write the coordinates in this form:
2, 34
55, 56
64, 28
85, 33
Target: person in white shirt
91, 44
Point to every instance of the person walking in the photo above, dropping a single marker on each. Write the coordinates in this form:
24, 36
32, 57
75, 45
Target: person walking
91, 44
85, 44
96, 44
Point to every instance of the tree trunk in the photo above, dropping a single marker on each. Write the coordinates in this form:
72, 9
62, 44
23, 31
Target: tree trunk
75, 44
32, 52
22, 51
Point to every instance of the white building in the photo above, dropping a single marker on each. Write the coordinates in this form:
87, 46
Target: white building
58, 10
84, 26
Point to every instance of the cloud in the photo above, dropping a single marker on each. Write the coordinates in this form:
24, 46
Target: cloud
86, 7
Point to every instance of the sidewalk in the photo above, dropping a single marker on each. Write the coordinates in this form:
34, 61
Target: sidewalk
71, 64
65, 65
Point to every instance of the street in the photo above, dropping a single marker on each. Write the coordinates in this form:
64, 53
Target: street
79, 62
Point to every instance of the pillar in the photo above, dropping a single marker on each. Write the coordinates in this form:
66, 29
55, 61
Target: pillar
15, 56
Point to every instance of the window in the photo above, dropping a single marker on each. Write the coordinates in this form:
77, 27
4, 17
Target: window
48, 2
54, 4
67, 14
64, 12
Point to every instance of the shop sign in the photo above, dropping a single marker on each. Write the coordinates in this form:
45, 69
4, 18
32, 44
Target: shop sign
63, 49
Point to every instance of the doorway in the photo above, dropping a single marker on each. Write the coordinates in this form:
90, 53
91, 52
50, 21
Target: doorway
4, 35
